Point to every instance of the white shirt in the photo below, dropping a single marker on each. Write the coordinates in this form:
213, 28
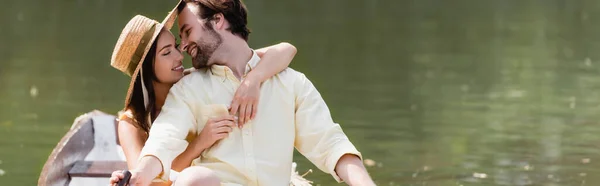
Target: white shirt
291, 113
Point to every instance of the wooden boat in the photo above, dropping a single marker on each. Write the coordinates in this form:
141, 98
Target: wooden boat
90, 152
86, 155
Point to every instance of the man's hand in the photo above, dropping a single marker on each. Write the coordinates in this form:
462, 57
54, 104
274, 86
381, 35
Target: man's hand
138, 178
115, 177
352, 171
148, 168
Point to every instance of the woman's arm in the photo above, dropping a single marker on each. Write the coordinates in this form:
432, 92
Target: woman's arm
132, 140
274, 59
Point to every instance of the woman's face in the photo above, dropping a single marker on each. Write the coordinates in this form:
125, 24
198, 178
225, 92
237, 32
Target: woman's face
168, 60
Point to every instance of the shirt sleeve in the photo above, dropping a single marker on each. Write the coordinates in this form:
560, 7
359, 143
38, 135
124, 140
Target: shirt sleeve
167, 135
318, 138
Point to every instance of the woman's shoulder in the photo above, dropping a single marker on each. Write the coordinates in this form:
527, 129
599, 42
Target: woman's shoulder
128, 122
126, 115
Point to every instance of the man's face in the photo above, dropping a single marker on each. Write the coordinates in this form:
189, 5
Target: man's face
198, 38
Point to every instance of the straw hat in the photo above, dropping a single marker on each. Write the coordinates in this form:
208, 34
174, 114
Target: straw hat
133, 45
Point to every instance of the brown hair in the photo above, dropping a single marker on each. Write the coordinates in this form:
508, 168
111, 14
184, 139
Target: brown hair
234, 12
143, 117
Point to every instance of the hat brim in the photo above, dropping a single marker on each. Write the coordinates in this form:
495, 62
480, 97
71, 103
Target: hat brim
168, 24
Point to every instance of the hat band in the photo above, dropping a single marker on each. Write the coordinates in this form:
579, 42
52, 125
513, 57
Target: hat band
139, 51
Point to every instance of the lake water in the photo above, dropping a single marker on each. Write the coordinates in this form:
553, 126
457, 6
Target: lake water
434, 92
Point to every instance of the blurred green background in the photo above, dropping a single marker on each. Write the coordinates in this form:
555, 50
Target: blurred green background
434, 92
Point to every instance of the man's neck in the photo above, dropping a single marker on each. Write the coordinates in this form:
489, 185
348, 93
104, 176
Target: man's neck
235, 55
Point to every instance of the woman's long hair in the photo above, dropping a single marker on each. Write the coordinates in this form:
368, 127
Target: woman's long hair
143, 117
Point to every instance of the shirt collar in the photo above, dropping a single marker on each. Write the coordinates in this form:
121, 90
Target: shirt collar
221, 70
252, 62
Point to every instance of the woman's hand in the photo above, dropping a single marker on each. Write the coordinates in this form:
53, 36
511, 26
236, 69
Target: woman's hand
274, 59
188, 71
215, 129
245, 100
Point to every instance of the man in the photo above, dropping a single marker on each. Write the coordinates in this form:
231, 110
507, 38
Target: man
292, 112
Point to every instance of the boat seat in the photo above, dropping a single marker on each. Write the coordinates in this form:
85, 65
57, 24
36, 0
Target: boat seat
96, 168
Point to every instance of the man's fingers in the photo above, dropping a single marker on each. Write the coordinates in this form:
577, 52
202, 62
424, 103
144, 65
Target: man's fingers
223, 130
116, 176
115, 173
226, 124
221, 118
222, 135
114, 180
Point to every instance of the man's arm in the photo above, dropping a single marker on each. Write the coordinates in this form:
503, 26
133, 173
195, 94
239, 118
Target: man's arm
166, 139
149, 167
322, 141
351, 170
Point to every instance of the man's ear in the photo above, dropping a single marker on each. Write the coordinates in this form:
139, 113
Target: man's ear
219, 22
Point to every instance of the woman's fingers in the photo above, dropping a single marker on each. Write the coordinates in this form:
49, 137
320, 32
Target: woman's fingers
242, 114
248, 112
254, 109
235, 106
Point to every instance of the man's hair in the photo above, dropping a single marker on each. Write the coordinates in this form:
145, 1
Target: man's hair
234, 12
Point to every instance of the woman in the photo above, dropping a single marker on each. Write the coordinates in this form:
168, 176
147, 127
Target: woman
147, 51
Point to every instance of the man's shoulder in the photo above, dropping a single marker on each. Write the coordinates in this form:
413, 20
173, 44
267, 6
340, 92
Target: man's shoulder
290, 79
291, 74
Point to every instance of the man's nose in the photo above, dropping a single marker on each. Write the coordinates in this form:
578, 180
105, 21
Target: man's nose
183, 46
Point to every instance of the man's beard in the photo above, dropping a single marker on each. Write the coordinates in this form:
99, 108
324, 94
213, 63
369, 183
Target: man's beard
205, 49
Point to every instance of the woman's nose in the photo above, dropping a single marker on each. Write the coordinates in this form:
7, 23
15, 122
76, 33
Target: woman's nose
179, 56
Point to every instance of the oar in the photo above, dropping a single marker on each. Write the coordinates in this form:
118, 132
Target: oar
125, 180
